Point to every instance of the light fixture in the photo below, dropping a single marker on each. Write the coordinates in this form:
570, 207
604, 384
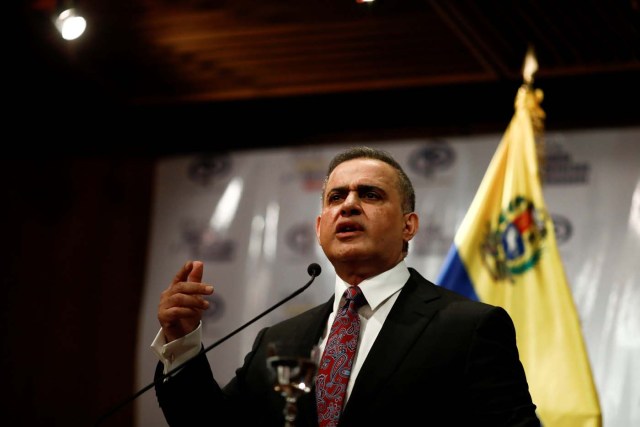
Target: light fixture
70, 24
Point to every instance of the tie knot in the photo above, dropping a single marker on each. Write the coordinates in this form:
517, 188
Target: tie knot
354, 293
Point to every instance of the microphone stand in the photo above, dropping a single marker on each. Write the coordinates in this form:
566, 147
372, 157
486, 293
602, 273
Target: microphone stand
313, 270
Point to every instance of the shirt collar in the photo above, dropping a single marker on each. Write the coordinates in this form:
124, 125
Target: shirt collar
376, 289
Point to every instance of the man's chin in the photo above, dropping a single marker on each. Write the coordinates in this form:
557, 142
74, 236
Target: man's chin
351, 253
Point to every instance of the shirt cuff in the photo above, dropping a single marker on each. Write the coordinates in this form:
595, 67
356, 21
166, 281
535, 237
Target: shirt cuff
178, 351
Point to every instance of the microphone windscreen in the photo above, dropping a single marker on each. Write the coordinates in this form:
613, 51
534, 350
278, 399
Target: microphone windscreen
314, 269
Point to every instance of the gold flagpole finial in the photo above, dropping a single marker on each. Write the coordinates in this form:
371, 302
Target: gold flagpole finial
530, 99
530, 66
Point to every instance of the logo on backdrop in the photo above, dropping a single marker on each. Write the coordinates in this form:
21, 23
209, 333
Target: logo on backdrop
436, 156
204, 170
559, 167
301, 238
204, 243
431, 240
562, 228
515, 245
215, 310
310, 169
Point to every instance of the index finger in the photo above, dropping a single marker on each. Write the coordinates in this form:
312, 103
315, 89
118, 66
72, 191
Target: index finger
197, 270
182, 275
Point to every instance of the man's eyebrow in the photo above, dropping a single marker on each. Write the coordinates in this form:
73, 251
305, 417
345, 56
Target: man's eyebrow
341, 189
360, 188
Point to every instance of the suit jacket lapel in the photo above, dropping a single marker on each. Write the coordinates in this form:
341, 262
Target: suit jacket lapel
306, 332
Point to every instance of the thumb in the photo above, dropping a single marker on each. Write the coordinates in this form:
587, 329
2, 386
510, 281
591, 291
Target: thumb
196, 272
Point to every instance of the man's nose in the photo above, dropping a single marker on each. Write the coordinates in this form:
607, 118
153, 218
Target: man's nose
351, 204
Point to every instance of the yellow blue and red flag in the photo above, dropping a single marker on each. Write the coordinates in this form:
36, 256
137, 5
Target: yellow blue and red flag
505, 253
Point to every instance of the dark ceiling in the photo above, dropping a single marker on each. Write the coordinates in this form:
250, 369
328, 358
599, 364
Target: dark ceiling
258, 73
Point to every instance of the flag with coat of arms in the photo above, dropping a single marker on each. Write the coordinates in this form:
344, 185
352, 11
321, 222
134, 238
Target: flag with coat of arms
505, 253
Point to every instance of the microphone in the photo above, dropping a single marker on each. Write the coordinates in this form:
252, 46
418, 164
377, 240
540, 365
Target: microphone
314, 271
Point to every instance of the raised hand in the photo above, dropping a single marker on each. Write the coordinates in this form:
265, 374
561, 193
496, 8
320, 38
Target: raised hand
182, 303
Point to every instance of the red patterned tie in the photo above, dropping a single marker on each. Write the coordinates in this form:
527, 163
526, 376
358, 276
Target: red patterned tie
335, 365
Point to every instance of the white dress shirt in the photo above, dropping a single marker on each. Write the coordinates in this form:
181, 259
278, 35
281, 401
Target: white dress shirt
380, 292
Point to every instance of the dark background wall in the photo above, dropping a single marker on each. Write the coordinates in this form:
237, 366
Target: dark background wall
73, 256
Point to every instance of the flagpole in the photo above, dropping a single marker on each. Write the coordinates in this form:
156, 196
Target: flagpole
531, 98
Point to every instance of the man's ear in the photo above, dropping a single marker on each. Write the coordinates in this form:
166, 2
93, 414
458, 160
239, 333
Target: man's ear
411, 225
318, 230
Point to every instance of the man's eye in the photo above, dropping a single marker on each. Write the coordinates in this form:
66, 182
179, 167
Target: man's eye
371, 195
334, 197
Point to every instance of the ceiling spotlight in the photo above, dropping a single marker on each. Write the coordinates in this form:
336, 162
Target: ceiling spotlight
70, 24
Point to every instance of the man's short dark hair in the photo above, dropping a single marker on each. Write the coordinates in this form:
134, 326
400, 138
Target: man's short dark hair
404, 183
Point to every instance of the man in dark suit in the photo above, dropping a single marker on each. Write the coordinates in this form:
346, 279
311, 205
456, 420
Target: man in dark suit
425, 355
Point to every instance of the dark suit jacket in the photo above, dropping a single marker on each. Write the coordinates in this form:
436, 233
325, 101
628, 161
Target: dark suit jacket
439, 360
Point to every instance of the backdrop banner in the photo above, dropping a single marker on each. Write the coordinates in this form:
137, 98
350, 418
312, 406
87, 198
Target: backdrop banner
250, 216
